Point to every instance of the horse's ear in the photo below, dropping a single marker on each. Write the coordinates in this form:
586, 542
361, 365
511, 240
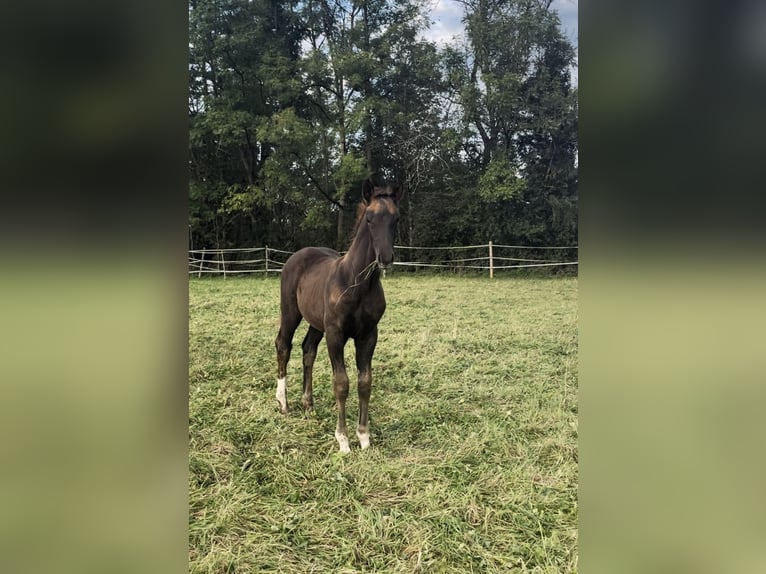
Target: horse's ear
367, 189
397, 192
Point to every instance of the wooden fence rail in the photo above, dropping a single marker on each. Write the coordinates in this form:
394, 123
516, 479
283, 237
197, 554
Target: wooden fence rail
481, 258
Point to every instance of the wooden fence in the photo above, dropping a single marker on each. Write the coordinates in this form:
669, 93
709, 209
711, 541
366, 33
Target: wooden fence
490, 257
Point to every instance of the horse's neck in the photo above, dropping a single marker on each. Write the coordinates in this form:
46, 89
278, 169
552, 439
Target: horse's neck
360, 256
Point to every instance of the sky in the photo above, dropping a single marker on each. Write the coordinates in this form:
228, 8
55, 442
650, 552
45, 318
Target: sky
446, 15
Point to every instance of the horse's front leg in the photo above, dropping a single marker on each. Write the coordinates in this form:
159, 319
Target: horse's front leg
365, 347
335, 343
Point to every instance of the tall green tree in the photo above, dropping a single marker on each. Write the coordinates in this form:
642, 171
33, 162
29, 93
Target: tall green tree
352, 67
511, 79
243, 62
293, 103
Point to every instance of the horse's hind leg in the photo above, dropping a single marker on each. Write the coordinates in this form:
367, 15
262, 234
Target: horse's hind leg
310, 345
288, 324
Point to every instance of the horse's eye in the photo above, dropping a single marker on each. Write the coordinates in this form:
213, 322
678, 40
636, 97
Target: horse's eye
369, 218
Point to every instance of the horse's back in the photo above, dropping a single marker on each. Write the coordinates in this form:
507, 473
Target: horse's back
305, 261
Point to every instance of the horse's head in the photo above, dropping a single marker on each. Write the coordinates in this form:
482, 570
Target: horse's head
380, 216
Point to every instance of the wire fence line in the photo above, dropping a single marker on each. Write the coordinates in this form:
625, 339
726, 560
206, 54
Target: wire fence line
474, 258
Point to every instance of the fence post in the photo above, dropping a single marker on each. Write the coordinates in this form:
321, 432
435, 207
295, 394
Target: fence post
223, 263
201, 262
267, 261
491, 262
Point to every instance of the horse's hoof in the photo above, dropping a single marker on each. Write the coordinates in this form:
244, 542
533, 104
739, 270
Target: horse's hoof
281, 394
342, 442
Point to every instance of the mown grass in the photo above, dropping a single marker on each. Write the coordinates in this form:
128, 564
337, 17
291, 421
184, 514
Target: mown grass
473, 458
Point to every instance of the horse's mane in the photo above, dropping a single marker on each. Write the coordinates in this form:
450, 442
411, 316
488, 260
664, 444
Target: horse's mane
360, 209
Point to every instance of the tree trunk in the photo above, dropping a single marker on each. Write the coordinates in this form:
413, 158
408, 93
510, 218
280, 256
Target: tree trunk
367, 87
341, 185
341, 226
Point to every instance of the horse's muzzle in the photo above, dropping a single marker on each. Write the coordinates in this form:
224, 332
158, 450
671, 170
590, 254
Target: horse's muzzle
384, 264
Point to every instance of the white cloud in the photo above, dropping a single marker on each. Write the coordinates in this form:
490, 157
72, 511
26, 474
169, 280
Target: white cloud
446, 16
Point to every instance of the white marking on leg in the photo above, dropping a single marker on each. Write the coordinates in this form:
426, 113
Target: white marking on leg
342, 442
282, 393
364, 438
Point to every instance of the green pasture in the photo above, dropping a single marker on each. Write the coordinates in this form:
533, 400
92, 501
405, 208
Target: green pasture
473, 425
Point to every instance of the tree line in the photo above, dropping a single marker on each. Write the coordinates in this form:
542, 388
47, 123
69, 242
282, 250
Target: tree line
294, 103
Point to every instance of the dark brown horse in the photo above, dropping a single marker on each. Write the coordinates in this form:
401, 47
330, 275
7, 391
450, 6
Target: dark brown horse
340, 297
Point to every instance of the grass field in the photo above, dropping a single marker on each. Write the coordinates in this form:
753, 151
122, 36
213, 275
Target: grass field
473, 458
